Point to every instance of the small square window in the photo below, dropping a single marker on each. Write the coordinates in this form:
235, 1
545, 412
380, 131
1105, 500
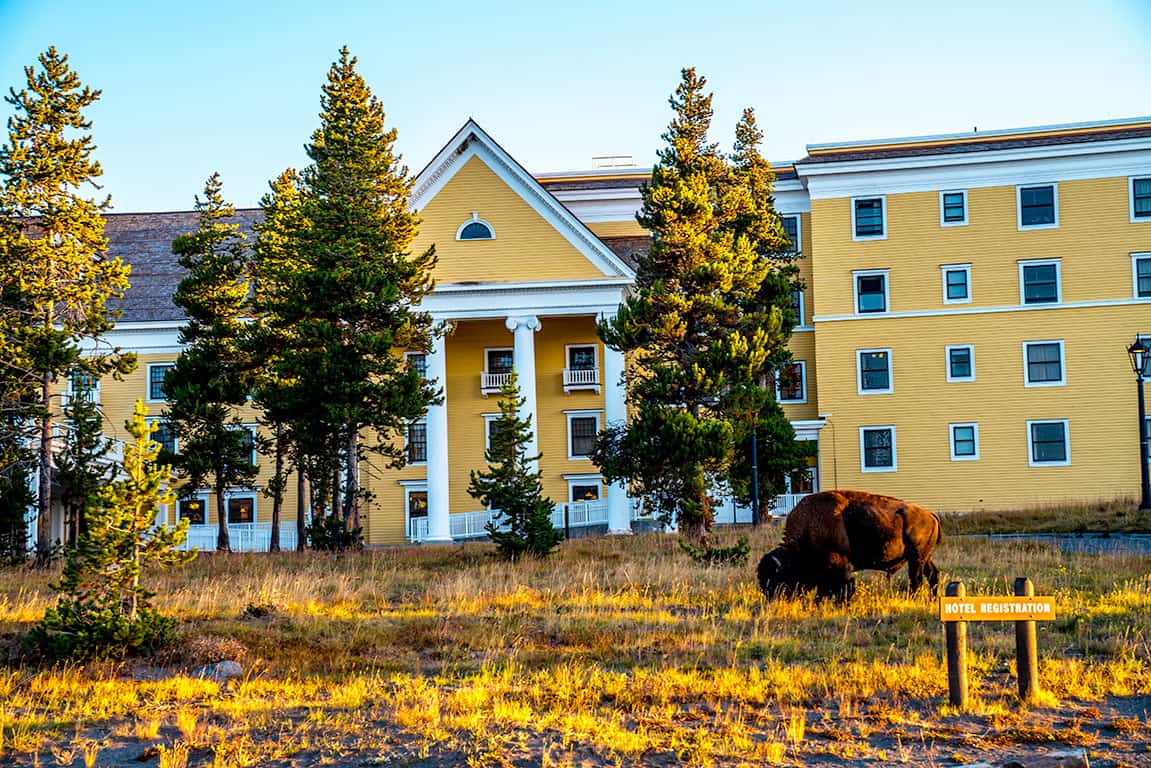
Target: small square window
418, 362
192, 510
417, 442
868, 214
790, 383
1039, 282
1141, 272
956, 283
1043, 363
583, 491
1141, 199
964, 442
877, 449
499, 360
961, 363
582, 358
241, 509
1048, 443
870, 292
582, 432
791, 228
874, 371
1038, 207
156, 374
952, 208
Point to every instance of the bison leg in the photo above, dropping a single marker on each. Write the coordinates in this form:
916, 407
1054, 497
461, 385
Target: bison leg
838, 581
918, 570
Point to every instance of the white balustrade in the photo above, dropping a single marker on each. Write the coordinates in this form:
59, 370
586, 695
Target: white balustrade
493, 382
581, 377
242, 537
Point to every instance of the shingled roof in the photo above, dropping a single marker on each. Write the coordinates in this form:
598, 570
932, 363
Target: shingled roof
144, 240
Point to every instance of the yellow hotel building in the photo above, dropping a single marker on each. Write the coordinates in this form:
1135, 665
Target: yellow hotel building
968, 302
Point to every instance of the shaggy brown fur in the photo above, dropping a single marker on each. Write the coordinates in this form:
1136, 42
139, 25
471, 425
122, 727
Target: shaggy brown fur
833, 533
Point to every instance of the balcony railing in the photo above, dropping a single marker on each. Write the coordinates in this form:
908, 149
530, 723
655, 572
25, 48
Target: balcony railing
242, 537
493, 382
581, 378
473, 525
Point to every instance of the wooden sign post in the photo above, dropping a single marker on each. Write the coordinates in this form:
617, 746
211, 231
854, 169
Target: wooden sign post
956, 609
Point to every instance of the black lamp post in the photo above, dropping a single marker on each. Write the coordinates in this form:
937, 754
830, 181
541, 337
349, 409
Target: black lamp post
1140, 355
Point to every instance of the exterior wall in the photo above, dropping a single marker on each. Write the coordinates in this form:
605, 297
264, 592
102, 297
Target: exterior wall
1094, 241
803, 336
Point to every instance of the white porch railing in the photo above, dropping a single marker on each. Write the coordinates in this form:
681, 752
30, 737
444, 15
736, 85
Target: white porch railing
243, 537
473, 525
493, 382
581, 378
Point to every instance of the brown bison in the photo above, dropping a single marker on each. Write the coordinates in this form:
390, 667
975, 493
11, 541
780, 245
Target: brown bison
833, 533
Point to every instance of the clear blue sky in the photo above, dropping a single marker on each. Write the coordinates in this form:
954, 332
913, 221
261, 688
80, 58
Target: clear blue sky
194, 87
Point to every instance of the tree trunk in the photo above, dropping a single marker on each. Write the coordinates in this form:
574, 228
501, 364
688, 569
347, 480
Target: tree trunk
223, 542
278, 497
336, 490
352, 482
44, 491
695, 507
301, 506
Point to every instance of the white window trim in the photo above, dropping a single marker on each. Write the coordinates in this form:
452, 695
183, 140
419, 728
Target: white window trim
966, 216
1131, 199
1058, 282
255, 430
944, 269
803, 308
1062, 365
587, 344
203, 497
883, 209
496, 349
951, 440
148, 382
863, 450
488, 419
1019, 206
175, 438
427, 442
947, 363
241, 493
588, 479
67, 394
409, 355
475, 219
1031, 462
799, 228
858, 273
802, 381
1146, 339
581, 415
859, 373
410, 487
1135, 259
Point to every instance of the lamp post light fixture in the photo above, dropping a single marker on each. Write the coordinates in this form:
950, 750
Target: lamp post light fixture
1140, 354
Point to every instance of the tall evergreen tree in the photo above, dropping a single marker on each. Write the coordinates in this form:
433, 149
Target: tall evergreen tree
511, 485
350, 302
82, 468
698, 332
55, 274
211, 378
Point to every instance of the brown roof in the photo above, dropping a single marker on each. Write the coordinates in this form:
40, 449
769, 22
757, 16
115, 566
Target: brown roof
565, 184
990, 144
629, 248
144, 240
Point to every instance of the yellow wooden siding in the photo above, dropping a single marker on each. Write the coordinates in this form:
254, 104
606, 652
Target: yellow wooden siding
803, 348
1098, 401
1094, 241
626, 228
526, 246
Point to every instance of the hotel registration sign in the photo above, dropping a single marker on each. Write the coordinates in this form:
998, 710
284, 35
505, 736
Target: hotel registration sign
1022, 608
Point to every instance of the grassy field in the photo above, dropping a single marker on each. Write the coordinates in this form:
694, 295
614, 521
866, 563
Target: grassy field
617, 651
1108, 516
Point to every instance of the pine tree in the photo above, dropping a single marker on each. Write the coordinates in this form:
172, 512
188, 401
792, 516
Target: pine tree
211, 378
350, 303
511, 485
82, 468
698, 332
103, 608
55, 274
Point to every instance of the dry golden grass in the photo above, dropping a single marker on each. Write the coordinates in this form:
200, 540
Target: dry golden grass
1113, 516
615, 651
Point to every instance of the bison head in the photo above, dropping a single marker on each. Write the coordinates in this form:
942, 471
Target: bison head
778, 575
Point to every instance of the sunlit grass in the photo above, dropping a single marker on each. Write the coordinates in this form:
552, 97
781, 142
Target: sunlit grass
617, 650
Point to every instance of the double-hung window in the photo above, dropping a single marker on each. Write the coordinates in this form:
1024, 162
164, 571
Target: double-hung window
583, 426
1043, 364
417, 442
874, 371
964, 441
1038, 206
193, 510
869, 218
241, 509
1048, 443
791, 228
1141, 274
1039, 282
961, 362
418, 362
164, 436
953, 208
877, 449
1141, 199
956, 283
791, 382
870, 291
156, 374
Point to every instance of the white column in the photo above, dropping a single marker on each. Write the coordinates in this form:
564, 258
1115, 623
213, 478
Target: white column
615, 413
439, 523
524, 361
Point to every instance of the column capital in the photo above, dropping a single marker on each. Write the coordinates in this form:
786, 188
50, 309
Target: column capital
531, 322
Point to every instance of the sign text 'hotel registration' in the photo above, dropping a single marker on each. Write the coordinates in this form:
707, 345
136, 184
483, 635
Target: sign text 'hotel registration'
996, 608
